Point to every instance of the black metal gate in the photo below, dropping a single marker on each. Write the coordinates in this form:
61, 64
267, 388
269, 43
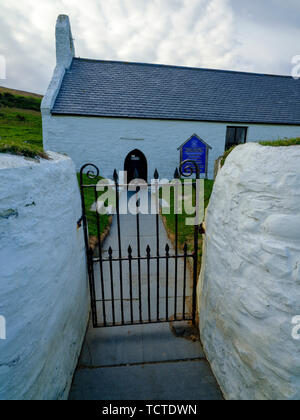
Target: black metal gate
140, 285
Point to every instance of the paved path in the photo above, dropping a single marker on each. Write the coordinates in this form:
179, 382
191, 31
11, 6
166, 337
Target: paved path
156, 361
142, 362
128, 226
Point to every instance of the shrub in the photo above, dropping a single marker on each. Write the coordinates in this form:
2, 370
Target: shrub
17, 101
20, 117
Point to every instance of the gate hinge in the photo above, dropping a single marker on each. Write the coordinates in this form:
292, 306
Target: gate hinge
79, 222
202, 228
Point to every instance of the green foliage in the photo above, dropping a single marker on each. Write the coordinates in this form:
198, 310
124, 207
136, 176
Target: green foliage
186, 233
280, 143
226, 154
21, 132
90, 199
9, 100
272, 143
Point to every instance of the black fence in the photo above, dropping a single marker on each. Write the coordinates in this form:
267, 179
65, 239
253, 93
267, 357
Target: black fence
131, 282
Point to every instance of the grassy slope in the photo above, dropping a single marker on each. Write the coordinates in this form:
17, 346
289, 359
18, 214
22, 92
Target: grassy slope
21, 134
20, 125
20, 92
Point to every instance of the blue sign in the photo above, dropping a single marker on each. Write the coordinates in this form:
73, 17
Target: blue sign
197, 150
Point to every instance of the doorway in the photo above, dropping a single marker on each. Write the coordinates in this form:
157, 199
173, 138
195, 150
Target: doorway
136, 166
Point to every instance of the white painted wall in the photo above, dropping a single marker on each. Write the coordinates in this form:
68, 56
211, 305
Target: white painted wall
98, 140
65, 50
250, 280
43, 284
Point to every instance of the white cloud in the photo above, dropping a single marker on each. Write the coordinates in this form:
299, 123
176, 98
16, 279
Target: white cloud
229, 34
181, 32
269, 33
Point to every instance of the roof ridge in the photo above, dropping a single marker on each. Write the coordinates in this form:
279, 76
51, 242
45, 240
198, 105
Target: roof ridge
182, 67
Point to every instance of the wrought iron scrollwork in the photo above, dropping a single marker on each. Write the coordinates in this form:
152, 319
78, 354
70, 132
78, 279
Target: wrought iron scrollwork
91, 173
188, 168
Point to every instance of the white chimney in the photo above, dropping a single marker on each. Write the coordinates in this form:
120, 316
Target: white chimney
65, 50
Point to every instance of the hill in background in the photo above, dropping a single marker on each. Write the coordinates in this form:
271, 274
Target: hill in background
18, 99
20, 123
20, 92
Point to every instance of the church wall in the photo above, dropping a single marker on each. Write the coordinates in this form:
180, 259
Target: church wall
107, 141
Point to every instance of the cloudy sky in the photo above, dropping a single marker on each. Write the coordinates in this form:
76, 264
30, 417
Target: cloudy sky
248, 35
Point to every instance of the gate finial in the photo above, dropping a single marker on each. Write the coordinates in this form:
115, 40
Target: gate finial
167, 250
115, 176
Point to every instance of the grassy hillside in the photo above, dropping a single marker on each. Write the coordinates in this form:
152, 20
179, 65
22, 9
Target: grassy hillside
21, 102
20, 92
20, 124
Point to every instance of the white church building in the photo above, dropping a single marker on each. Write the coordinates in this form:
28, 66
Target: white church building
122, 114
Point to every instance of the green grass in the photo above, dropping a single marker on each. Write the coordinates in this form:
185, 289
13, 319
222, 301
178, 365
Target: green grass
226, 154
186, 233
272, 143
89, 196
8, 100
21, 132
280, 143
21, 125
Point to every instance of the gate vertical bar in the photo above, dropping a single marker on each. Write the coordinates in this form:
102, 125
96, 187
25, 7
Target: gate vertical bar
184, 279
115, 176
130, 282
89, 254
110, 252
176, 176
100, 257
187, 169
196, 244
139, 252
167, 281
92, 287
148, 281
156, 176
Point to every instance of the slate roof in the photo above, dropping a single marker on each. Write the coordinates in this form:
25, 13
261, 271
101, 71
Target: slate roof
135, 90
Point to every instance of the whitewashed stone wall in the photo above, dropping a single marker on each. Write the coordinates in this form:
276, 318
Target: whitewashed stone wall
107, 141
250, 281
43, 285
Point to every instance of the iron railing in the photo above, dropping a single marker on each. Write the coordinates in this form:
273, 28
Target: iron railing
112, 273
